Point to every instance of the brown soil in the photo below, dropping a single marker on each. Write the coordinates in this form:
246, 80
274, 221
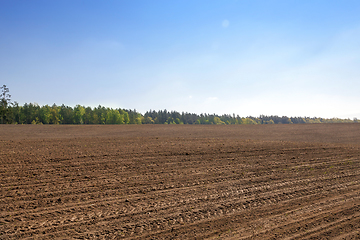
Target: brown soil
180, 182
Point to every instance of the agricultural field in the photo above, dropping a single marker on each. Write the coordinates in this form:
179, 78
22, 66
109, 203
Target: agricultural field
180, 182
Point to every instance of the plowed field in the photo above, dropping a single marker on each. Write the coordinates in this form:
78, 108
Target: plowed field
180, 182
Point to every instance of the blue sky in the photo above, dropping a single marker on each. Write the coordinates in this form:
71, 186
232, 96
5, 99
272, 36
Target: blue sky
248, 57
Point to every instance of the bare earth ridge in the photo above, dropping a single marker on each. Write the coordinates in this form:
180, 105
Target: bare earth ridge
180, 182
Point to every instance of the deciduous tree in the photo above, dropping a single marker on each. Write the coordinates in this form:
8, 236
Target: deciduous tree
4, 105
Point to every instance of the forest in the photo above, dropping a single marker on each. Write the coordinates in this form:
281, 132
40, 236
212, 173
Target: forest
32, 113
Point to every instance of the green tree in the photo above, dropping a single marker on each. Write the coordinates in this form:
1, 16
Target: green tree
249, 121
55, 117
45, 114
88, 116
170, 120
217, 120
79, 112
178, 121
125, 116
138, 118
147, 120
31, 113
5, 102
67, 114
114, 117
17, 113
94, 118
101, 114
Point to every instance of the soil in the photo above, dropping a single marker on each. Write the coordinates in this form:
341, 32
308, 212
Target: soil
180, 182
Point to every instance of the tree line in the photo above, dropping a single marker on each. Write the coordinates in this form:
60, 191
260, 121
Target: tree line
32, 113
173, 117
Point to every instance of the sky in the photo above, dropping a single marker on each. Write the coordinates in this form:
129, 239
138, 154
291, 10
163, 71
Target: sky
247, 57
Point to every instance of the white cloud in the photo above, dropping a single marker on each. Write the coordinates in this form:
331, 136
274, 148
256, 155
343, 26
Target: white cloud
212, 99
225, 23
